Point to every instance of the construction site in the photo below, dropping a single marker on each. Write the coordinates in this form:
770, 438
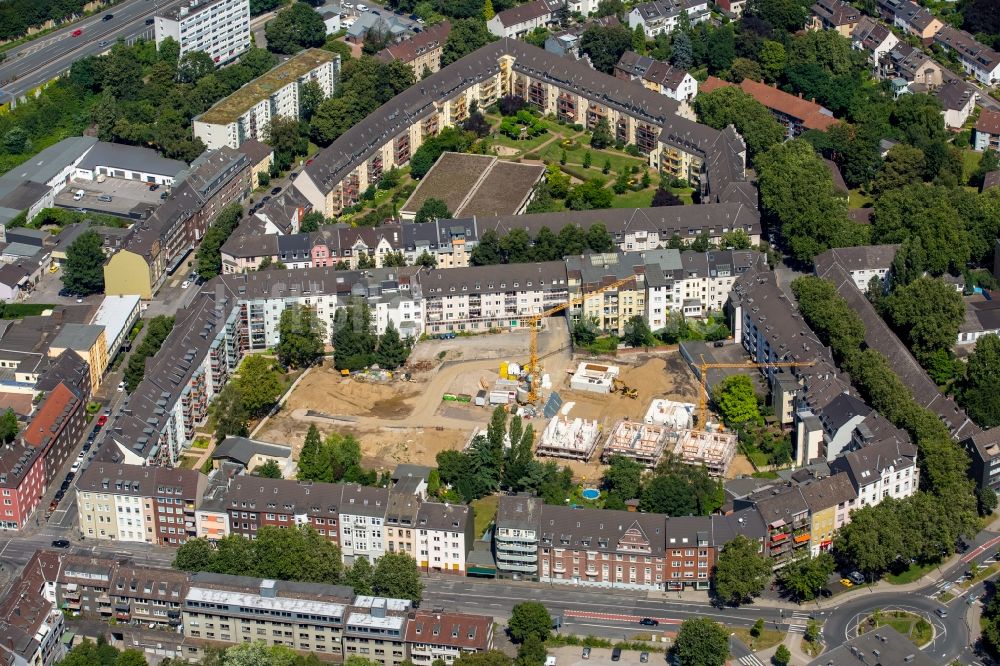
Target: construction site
643, 442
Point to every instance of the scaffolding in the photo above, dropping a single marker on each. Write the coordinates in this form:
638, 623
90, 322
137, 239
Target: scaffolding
643, 442
713, 450
565, 438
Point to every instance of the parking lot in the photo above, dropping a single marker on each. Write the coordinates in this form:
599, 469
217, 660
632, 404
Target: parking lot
129, 198
572, 655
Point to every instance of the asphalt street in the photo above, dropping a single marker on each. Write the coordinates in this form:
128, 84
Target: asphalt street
39, 61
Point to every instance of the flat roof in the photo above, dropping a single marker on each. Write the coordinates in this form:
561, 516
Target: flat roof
289, 604
227, 110
114, 314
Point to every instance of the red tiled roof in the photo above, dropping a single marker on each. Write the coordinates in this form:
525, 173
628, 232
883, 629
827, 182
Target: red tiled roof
989, 122
451, 629
523, 13
808, 113
41, 426
408, 49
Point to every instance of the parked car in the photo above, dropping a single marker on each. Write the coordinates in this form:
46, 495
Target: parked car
153, 187
121, 386
362, 8
586, 653
164, 195
103, 43
941, 613
149, 21
60, 543
101, 420
185, 284
616, 654
856, 578
75, 468
292, 175
104, 197
276, 190
649, 622
78, 195
644, 657
266, 198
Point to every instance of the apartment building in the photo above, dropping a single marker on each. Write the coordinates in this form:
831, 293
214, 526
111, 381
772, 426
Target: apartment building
150, 595
658, 76
22, 484
30, 622
375, 629
912, 65
563, 87
862, 263
245, 114
883, 466
220, 28
244, 504
89, 342
516, 536
977, 59
984, 449
83, 584
446, 636
54, 429
444, 536
156, 246
829, 500
836, 15
481, 298
217, 610
138, 504
362, 522
660, 17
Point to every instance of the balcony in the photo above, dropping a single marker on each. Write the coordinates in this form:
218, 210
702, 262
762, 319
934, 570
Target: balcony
523, 568
520, 546
518, 557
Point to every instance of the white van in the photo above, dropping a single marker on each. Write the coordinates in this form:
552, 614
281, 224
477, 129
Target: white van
78, 195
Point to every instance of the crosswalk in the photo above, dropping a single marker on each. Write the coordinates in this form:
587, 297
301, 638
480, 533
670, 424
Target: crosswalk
797, 623
750, 660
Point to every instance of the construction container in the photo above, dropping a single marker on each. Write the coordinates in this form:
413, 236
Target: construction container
480, 398
513, 371
503, 369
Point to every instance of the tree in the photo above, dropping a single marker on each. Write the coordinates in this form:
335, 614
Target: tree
682, 55
903, 165
209, 254
805, 577
392, 351
637, 333
782, 656
157, 330
296, 28
491, 658
599, 239
796, 192
488, 12
194, 66
232, 417
310, 97
980, 391
701, 642
487, 251
311, 221
605, 45
289, 137
269, 470
432, 209
623, 478
361, 576
741, 572
194, 555
426, 260
467, 35
8, 426
84, 271
354, 340
531, 652
602, 136
258, 384
301, 337
927, 313
872, 541
729, 105
737, 401
396, 576
664, 197
312, 465
772, 58
529, 618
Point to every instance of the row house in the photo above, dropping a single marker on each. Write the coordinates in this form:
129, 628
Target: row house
83, 584
518, 21
22, 484
483, 298
793, 112
987, 134
446, 636
613, 549
422, 52
661, 17
881, 464
977, 59
153, 505
30, 621
246, 503
144, 594
874, 38
911, 65
862, 263
56, 427
911, 18
837, 15
658, 76
362, 522
563, 87
450, 242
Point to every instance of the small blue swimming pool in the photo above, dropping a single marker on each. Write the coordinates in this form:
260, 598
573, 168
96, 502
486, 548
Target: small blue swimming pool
590, 493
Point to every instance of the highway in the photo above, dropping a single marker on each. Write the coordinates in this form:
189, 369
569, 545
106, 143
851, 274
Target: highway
39, 61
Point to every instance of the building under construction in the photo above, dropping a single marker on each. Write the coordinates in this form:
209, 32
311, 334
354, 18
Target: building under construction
675, 415
713, 450
643, 442
565, 438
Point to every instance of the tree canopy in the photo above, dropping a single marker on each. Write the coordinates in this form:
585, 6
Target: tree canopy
701, 642
83, 273
741, 572
730, 105
295, 28
301, 337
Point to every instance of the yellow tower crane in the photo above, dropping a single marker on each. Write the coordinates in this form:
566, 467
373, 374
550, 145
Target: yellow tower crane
705, 366
533, 321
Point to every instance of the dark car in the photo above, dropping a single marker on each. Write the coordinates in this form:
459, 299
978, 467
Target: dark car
60, 543
149, 21
108, 17
265, 199
616, 654
649, 622
60, 494
164, 195
153, 187
292, 175
275, 191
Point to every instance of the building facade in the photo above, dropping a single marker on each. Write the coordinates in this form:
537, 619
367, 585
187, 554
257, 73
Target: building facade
220, 28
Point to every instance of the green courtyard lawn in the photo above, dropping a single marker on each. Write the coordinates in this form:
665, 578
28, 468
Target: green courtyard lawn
485, 510
640, 199
580, 146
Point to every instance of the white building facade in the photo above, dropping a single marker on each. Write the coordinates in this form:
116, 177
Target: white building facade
220, 28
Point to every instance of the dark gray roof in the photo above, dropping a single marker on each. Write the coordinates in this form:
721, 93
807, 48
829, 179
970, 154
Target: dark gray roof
130, 158
955, 94
243, 449
446, 517
404, 470
44, 166
519, 512
862, 257
79, 337
363, 500
866, 464
24, 195
601, 530
546, 276
256, 150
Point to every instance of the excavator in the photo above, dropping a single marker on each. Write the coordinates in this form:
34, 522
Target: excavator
618, 386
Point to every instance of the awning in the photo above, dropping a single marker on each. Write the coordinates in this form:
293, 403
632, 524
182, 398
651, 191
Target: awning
481, 571
802, 538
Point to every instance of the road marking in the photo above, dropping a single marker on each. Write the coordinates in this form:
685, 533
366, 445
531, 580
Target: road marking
751, 660
616, 617
979, 550
797, 623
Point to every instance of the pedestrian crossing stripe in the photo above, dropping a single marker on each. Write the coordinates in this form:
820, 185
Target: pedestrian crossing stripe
751, 660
